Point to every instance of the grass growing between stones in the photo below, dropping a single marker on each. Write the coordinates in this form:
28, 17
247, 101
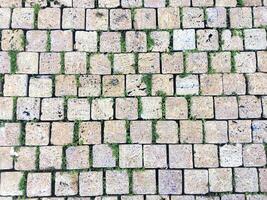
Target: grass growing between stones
123, 42
128, 136
63, 158
155, 135
233, 62
76, 138
37, 158
140, 107
15, 100
150, 41
130, 176
240, 2
36, 9
48, 44
136, 63
147, 79
210, 69
23, 184
163, 103
13, 61
22, 134
189, 104
24, 41
62, 62
115, 152
111, 60
88, 66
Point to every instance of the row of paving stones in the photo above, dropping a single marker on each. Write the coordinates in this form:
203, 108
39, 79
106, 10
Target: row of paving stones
180, 156
71, 109
91, 183
127, 19
139, 132
134, 41
129, 3
168, 64
156, 197
138, 85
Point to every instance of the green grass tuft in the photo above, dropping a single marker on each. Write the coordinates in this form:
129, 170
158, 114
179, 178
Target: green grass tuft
155, 135
63, 158
135, 66
23, 184
233, 62
189, 104
240, 2
48, 44
140, 107
115, 151
210, 69
62, 62
36, 9
237, 32
88, 66
13, 61
15, 100
203, 131
123, 42
77, 77
37, 158
147, 79
150, 41
24, 41
130, 176
22, 134
76, 137
128, 136
185, 74
162, 94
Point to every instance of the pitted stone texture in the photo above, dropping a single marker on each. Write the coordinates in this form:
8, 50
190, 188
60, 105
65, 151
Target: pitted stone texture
91, 183
196, 181
231, 155
180, 156
10, 134
34, 180
10, 183
4, 62
66, 183
103, 156
6, 113
25, 158
28, 109
37, 133
155, 156
47, 22
6, 160
184, 39
50, 157
130, 156
193, 134
15, 85
187, 85
52, 109
77, 157
170, 182
117, 182
246, 180
12, 40
78, 109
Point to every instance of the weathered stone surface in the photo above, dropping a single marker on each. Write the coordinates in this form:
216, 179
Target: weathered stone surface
133, 99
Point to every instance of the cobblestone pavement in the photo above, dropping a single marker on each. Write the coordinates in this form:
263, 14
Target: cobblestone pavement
133, 99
